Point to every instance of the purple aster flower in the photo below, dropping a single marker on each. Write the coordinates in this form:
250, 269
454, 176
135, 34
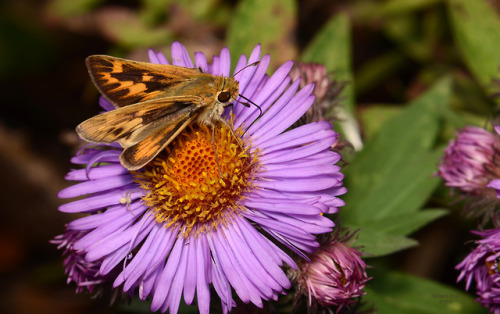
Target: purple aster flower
471, 164
335, 274
481, 266
189, 220
325, 90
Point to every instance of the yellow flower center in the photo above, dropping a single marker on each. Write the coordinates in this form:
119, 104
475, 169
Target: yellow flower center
188, 186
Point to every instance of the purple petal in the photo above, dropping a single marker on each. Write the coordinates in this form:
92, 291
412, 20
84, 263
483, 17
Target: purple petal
148, 284
229, 270
225, 62
244, 76
202, 288
164, 282
105, 104
281, 227
161, 58
297, 153
268, 94
247, 89
234, 271
94, 203
242, 62
128, 237
303, 131
110, 216
94, 186
178, 282
215, 67
102, 156
298, 172
264, 121
221, 283
266, 254
249, 261
158, 258
297, 185
153, 58
250, 269
201, 61
283, 119
154, 251
282, 207
113, 259
180, 55
96, 172
190, 280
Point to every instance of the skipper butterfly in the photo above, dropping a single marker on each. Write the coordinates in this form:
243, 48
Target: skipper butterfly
154, 103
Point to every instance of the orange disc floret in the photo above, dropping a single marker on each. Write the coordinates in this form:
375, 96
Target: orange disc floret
197, 181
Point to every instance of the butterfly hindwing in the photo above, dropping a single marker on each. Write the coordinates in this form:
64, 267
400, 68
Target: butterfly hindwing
139, 154
131, 124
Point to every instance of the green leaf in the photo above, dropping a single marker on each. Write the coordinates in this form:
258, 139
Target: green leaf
392, 177
394, 292
375, 116
404, 190
332, 48
386, 236
407, 223
393, 174
268, 22
476, 28
376, 243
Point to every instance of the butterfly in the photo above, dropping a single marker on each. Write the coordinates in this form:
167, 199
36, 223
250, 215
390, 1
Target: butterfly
153, 104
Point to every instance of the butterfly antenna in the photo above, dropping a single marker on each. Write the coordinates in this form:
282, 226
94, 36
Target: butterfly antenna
247, 66
247, 105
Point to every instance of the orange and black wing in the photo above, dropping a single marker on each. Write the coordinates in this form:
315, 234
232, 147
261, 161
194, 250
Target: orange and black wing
127, 125
139, 154
125, 82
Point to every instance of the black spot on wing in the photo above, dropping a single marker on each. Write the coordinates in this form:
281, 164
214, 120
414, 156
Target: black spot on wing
117, 131
113, 85
158, 85
122, 97
102, 63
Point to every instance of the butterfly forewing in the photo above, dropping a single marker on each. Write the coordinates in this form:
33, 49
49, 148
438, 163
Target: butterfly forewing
125, 82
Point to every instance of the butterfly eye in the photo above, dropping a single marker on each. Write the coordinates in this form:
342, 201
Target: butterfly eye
224, 96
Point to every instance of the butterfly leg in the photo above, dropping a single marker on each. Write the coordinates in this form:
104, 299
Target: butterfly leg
224, 121
215, 151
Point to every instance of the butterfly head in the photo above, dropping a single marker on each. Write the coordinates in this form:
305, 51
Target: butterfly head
229, 91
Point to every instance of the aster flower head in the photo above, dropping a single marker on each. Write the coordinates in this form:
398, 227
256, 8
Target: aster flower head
470, 164
325, 90
481, 267
334, 276
211, 208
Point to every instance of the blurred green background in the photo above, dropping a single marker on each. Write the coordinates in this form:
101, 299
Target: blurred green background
415, 69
